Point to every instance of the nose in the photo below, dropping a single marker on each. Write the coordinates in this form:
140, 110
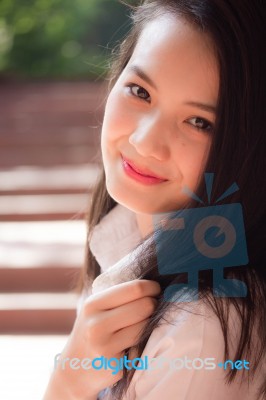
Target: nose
150, 139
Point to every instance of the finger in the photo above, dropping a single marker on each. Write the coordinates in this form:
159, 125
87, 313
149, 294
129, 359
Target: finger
128, 337
128, 314
123, 293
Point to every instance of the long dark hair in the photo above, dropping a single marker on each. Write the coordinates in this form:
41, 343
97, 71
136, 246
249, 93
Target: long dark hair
237, 28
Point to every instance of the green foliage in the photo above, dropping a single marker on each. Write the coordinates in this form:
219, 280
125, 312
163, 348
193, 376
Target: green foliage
59, 38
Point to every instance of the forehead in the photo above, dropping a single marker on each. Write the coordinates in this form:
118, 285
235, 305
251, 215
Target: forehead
169, 48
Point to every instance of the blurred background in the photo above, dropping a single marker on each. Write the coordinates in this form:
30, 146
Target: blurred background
54, 57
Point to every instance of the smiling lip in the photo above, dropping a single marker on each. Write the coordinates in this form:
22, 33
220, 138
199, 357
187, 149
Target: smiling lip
146, 175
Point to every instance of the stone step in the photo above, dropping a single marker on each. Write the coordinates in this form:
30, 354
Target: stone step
41, 256
36, 180
80, 134
49, 155
26, 313
39, 279
43, 207
38, 301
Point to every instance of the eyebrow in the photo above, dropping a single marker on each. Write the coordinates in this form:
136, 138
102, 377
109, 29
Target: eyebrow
141, 74
202, 106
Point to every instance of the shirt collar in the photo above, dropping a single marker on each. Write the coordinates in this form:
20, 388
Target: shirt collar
112, 241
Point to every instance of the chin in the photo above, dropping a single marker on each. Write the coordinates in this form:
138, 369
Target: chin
136, 205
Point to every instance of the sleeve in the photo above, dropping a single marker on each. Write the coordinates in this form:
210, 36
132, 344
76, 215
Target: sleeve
184, 359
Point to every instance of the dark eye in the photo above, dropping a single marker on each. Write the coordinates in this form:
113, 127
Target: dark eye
201, 124
139, 91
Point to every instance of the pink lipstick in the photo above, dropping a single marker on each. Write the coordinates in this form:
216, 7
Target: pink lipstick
140, 176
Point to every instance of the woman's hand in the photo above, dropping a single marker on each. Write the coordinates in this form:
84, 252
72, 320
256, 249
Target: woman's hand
109, 322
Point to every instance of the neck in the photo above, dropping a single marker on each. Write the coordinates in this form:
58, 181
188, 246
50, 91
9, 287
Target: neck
145, 224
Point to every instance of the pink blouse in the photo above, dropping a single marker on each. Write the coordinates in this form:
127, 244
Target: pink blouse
185, 352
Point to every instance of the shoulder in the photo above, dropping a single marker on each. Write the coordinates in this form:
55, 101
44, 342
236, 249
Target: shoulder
190, 326
184, 354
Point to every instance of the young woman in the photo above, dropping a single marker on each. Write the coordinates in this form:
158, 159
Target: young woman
187, 100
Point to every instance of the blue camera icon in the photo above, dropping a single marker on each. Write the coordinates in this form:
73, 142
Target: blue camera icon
200, 239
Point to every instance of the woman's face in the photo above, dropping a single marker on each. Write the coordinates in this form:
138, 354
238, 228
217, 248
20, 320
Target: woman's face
159, 116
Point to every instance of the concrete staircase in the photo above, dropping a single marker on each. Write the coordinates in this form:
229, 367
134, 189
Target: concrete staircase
49, 162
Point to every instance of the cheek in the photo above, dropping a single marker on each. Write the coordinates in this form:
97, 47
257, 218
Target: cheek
118, 117
195, 147
192, 158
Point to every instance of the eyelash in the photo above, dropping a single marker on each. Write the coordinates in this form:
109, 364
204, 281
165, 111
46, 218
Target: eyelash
131, 85
205, 130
